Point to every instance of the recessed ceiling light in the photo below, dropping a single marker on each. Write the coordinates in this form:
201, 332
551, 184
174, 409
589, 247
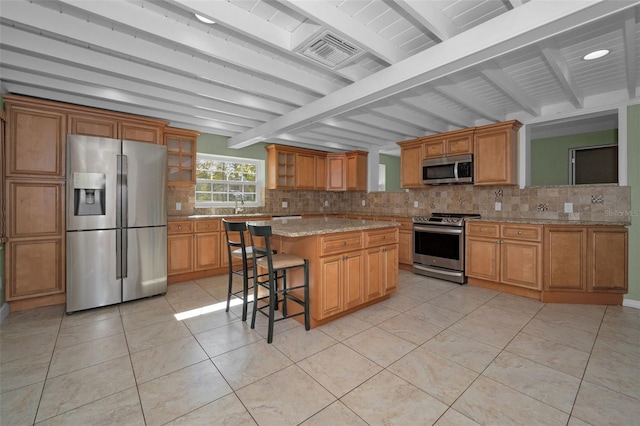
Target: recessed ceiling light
205, 20
596, 54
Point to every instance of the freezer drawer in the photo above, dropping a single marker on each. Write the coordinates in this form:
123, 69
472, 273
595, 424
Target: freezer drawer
145, 270
91, 270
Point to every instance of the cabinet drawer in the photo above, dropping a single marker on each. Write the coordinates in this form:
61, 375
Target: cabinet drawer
185, 227
379, 238
207, 225
340, 243
482, 229
522, 232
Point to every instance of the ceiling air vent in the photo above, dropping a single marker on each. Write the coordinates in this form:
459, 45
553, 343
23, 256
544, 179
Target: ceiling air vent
330, 50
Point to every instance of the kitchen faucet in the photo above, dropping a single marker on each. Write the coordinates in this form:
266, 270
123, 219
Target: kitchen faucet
239, 197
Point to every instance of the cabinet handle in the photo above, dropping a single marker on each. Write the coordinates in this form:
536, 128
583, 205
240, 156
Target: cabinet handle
519, 232
344, 243
179, 226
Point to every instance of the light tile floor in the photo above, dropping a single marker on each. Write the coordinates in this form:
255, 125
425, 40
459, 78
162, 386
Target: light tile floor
434, 353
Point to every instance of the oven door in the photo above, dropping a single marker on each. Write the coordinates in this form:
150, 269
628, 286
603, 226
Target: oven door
439, 246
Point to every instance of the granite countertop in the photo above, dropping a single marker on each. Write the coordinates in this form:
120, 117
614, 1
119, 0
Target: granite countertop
318, 226
547, 221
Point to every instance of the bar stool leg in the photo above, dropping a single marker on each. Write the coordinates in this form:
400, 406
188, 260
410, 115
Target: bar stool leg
273, 297
230, 289
245, 290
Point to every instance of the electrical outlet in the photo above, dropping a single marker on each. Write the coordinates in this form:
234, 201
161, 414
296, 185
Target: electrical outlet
285, 204
178, 206
498, 206
326, 203
568, 207
364, 203
415, 204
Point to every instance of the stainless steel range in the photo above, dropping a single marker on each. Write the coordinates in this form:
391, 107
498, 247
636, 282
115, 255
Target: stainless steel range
438, 242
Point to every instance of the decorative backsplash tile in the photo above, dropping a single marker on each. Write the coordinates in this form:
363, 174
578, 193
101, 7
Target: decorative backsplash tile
516, 203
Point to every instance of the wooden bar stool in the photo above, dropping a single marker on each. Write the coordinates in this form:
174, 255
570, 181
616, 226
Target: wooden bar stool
276, 266
237, 249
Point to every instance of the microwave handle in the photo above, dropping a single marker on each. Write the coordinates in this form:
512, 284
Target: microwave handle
455, 170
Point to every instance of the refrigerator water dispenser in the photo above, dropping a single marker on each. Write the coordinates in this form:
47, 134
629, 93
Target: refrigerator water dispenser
89, 194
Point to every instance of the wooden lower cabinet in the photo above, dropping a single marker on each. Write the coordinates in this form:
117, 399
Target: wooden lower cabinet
552, 263
193, 249
586, 264
35, 268
342, 278
505, 254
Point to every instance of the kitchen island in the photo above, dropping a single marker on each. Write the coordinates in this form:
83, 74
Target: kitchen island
352, 263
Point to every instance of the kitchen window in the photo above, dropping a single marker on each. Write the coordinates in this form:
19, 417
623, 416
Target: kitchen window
222, 181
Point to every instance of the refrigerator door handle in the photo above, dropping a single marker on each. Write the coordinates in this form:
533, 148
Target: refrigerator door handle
122, 190
119, 192
118, 251
123, 253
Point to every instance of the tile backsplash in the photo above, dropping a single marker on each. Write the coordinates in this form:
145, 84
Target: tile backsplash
602, 203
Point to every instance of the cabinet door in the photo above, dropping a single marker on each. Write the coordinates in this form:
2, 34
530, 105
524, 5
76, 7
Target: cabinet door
608, 260
391, 268
405, 253
36, 209
179, 253
411, 167
482, 259
305, 171
329, 294
93, 125
35, 267
521, 264
321, 173
565, 253
495, 154
460, 145
181, 163
356, 172
434, 149
353, 271
374, 270
139, 131
207, 251
36, 142
336, 173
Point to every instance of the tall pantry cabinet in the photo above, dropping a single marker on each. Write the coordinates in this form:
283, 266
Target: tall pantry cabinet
34, 191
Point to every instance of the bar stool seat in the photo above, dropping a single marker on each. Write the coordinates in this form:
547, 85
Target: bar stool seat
277, 266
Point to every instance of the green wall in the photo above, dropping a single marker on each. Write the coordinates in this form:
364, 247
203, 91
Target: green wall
633, 174
215, 144
392, 171
550, 156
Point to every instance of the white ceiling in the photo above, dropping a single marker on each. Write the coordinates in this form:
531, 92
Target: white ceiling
423, 66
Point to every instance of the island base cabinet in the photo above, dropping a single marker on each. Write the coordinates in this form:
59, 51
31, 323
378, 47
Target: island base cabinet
608, 257
343, 285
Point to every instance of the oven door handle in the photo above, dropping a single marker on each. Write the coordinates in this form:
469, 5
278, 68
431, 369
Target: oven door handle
438, 230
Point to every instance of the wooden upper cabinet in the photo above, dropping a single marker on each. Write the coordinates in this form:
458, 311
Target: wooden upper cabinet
495, 153
457, 142
321, 172
92, 125
181, 156
305, 171
36, 141
141, 131
411, 164
296, 168
357, 171
336, 172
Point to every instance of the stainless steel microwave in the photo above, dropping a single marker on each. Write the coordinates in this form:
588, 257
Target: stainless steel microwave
455, 169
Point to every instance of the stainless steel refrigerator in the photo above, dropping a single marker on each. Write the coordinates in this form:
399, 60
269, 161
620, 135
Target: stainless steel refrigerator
116, 221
